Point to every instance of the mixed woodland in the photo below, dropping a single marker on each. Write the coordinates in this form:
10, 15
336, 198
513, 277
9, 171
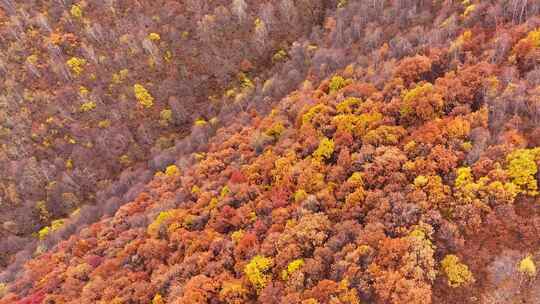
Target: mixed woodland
305, 152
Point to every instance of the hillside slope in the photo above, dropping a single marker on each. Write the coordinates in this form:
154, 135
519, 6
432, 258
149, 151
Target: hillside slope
402, 169
93, 91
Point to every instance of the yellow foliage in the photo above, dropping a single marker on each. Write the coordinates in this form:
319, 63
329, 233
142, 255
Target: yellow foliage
356, 197
233, 292
143, 96
342, 3
425, 92
200, 122
32, 59
195, 190
225, 191
506, 192
154, 36
325, 149
385, 135
213, 203
346, 122
418, 234
462, 39
44, 214
337, 83
467, 146
124, 160
457, 273
464, 177
172, 170
76, 65
346, 294
420, 181
55, 225
312, 112
300, 195
151, 61
467, 35
187, 222
103, 124
259, 24
237, 236
87, 106
466, 188
522, 169
257, 271
279, 56
245, 82
275, 130
116, 300
168, 56
70, 139
199, 156
158, 299
410, 147
356, 179
76, 11
435, 189
291, 268
282, 166
155, 226
469, 9
534, 38
527, 266
119, 77
166, 115
458, 128
347, 106
230, 93
295, 265
83, 91
69, 164
252, 216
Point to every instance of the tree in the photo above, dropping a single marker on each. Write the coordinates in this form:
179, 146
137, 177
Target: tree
239, 9
257, 271
422, 102
457, 273
413, 69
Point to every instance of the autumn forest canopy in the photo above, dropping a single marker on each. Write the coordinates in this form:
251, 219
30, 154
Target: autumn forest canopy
257, 151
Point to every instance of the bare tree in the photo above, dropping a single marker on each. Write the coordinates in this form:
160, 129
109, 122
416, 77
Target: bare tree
239, 9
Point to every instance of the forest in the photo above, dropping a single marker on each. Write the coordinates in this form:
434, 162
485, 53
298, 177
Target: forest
290, 151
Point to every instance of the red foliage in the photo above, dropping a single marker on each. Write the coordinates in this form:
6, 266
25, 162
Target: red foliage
237, 177
35, 298
413, 69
